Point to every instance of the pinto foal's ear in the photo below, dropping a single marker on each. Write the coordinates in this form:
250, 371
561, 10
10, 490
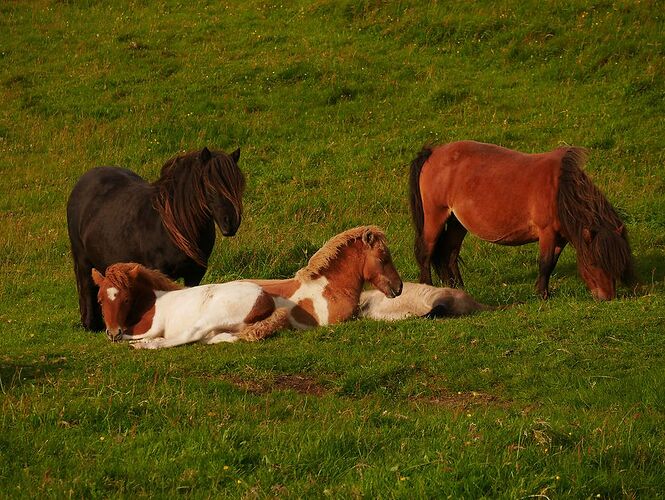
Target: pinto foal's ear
235, 156
205, 155
368, 237
97, 277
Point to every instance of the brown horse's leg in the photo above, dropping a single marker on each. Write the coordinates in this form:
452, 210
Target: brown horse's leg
435, 218
455, 233
551, 245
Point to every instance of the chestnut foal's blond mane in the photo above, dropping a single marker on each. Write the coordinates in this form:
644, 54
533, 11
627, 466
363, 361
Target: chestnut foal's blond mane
119, 276
326, 255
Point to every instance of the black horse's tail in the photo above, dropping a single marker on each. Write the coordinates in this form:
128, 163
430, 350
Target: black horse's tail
415, 200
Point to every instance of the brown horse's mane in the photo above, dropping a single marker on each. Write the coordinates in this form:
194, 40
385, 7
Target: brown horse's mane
583, 206
326, 255
119, 276
181, 195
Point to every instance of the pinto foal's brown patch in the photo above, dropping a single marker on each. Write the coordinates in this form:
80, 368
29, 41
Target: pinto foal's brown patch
263, 307
304, 313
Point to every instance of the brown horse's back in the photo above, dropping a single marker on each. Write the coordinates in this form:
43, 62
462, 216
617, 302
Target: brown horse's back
500, 195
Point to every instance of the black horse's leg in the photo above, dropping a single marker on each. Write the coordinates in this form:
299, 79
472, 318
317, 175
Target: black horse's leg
91, 314
194, 275
551, 245
450, 250
434, 222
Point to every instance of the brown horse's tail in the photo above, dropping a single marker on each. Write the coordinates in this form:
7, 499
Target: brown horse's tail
415, 200
584, 211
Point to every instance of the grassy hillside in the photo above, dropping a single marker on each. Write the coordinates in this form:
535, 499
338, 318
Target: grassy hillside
329, 101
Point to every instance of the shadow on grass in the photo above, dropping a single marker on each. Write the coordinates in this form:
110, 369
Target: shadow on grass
14, 375
650, 267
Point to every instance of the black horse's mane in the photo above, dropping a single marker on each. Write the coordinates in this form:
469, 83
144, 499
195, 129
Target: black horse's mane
183, 190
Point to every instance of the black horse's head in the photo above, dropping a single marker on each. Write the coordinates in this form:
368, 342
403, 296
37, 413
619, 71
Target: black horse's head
196, 187
224, 187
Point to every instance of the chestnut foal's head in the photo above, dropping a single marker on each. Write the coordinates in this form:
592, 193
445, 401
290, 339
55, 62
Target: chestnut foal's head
116, 296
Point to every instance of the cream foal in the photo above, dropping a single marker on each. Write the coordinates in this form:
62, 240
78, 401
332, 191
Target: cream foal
418, 300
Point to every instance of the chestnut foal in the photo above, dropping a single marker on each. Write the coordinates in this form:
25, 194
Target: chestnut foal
143, 305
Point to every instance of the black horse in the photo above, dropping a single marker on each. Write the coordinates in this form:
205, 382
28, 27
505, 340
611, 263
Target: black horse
113, 215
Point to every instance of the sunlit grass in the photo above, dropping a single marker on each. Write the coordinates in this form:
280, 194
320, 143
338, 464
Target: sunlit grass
329, 101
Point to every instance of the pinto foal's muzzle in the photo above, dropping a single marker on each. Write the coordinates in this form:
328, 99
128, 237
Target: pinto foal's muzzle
396, 292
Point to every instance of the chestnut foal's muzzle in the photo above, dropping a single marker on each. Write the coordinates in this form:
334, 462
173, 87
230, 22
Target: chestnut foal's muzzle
114, 336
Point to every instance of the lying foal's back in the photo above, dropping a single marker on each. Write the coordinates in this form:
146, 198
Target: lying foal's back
226, 305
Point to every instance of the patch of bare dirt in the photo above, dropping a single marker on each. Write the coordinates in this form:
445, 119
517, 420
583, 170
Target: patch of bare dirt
298, 383
461, 400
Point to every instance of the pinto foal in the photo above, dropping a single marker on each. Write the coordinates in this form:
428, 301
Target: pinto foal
327, 290
143, 305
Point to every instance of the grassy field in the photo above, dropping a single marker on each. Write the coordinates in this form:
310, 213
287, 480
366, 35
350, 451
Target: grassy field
329, 101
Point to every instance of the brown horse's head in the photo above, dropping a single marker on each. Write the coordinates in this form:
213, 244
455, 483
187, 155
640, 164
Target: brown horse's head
603, 258
378, 267
594, 228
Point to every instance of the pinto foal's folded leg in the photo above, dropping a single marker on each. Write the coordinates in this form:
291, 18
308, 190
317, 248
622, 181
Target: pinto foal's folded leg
148, 344
220, 337
194, 334
265, 328
150, 334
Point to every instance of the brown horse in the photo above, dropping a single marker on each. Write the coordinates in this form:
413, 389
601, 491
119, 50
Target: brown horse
327, 290
513, 198
144, 305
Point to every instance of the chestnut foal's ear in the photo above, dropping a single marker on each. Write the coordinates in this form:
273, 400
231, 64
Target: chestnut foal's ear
620, 230
235, 156
368, 237
587, 235
205, 155
97, 277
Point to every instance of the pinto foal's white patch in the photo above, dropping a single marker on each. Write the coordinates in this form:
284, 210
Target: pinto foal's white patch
112, 292
308, 290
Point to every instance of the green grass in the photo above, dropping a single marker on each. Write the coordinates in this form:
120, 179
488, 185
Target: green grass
329, 101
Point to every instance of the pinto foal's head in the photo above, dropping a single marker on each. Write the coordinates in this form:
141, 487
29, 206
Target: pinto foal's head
378, 267
126, 293
356, 256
